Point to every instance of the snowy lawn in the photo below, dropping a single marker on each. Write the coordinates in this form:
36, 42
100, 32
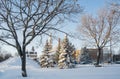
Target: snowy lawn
10, 69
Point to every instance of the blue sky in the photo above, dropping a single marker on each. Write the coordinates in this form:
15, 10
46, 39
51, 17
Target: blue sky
91, 6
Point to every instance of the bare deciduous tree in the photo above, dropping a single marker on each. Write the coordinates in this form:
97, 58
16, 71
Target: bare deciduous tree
21, 21
101, 29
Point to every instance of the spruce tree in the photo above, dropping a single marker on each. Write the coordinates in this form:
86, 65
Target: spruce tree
57, 52
46, 59
66, 54
71, 55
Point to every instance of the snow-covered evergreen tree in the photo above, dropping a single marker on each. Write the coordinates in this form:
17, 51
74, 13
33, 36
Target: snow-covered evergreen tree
85, 57
46, 59
57, 52
51, 53
66, 54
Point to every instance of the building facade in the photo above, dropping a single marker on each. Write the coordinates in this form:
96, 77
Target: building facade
116, 58
93, 53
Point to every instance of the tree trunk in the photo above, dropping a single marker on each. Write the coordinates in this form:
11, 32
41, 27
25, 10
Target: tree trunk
98, 56
23, 59
22, 53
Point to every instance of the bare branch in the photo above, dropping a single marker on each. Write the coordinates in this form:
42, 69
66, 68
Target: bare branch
7, 42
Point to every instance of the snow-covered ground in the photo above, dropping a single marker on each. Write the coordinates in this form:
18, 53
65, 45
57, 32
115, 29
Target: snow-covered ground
10, 69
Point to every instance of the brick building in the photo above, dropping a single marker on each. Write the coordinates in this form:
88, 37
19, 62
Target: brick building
92, 53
